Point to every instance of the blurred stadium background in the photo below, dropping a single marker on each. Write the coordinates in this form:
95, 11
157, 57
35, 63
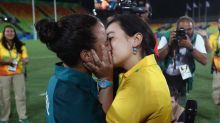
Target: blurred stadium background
165, 13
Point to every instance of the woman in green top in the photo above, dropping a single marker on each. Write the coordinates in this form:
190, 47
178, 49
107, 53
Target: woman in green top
72, 95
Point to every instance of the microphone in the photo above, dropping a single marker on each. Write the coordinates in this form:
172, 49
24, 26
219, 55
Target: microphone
190, 111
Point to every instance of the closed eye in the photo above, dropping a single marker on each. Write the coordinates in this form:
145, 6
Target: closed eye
109, 39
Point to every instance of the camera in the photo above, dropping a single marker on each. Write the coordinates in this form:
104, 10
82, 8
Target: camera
181, 34
133, 6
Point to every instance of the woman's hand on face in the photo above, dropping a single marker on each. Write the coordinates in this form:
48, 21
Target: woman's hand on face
102, 68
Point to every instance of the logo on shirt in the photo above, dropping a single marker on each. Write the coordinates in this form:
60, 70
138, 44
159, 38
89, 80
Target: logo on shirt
47, 104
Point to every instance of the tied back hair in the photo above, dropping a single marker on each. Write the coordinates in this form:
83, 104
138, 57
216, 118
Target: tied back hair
69, 36
47, 30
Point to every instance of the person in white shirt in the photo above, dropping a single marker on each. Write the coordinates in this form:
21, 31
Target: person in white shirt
178, 50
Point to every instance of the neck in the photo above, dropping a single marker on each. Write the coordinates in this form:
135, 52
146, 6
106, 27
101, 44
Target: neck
10, 42
132, 61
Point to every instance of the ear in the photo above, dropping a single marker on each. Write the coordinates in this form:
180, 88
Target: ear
86, 56
137, 39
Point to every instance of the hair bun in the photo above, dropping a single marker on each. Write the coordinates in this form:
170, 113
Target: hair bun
47, 30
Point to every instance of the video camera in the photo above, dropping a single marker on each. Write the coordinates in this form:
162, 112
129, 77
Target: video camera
190, 111
133, 6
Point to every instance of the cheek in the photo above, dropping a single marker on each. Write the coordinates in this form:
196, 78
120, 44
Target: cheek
120, 51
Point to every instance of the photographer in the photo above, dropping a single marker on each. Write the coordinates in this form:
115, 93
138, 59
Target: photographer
178, 49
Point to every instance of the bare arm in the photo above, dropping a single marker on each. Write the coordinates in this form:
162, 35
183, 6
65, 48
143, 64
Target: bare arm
200, 57
6, 62
163, 52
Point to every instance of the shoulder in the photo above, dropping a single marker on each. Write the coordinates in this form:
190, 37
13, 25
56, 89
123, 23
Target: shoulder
199, 37
181, 117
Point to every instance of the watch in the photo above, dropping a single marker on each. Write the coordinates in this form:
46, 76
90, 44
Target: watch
104, 83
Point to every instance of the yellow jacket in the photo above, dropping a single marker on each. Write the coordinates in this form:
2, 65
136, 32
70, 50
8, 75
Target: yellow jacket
143, 95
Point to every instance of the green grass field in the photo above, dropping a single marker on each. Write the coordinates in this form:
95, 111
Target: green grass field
41, 67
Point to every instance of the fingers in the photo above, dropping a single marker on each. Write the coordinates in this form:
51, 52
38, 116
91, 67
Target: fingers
90, 66
96, 58
105, 57
110, 57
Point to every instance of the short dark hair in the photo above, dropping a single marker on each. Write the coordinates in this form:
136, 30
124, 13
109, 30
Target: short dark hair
69, 36
132, 24
18, 44
174, 92
185, 18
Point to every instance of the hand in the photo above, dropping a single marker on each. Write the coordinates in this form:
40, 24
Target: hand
185, 43
8, 61
172, 38
24, 60
102, 68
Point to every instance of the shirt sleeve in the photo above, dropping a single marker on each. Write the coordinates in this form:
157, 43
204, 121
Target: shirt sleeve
162, 43
75, 105
200, 44
212, 40
24, 52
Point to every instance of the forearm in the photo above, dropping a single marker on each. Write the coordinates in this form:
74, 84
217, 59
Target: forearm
200, 57
5, 63
163, 52
106, 98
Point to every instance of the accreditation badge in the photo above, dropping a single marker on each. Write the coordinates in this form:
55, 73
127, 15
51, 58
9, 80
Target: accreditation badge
13, 66
185, 72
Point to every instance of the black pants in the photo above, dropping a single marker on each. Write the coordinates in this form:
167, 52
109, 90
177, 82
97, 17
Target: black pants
176, 82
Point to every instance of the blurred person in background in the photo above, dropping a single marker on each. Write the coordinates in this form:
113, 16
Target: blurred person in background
72, 95
178, 50
13, 57
214, 41
143, 95
178, 112
204, 35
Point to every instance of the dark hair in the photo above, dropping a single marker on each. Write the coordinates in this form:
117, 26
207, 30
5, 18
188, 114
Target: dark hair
174, 92
69, 36
16, 41
185, 18
132, 24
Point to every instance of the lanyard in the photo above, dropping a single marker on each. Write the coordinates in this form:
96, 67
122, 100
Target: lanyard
10, 53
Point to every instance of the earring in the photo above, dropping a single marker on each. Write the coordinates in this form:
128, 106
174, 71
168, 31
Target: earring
134, 50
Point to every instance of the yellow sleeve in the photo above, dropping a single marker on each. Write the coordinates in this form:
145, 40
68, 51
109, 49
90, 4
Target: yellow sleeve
212, 39
24, 52
124, 107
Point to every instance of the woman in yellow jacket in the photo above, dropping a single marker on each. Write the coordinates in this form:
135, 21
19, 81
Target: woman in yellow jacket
13, 55
143, 95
